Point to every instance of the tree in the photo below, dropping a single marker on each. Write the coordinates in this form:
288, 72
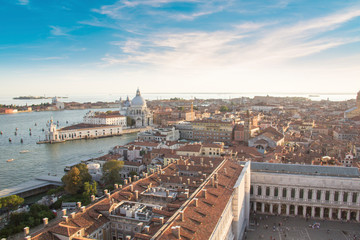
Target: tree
181, 108
89, 189
84, 173
111, 171
11, 202
224, 109
72, 181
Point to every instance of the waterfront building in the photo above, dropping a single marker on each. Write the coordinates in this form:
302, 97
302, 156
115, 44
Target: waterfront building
99, 118
138, 111
81, 131
268, 138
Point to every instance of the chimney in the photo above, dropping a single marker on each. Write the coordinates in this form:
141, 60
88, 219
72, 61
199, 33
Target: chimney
107, 195
192, 163
26, 238
150, 185
136, 195
93, 198
145, 175
182, 216
216, 184
26, 231
196, 202
105, 191
176, 231
129, 179
161, 220
83, 208
125, 181
188, 181
204, 175
45, 221
64, 211
131, 188
212, 182
180, 179
120, 186
66, 218
116, 186
225, 170
204, 191
216, 176
147, 229
194, 182
78, 204
167, 192
128, 237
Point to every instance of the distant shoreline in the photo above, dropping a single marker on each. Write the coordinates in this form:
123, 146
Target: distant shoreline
33, 97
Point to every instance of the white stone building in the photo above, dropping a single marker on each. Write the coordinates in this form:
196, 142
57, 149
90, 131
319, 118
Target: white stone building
92, 117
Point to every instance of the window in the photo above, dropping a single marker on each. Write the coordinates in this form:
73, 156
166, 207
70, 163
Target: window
293, 193
267, 191
301, 194
310, 193
276, 192
327, 195
318, 194
345, 196
336, 196
284, 192
259, 190
251, 190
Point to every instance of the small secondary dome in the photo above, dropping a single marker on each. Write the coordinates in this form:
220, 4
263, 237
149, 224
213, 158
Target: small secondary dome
138, 100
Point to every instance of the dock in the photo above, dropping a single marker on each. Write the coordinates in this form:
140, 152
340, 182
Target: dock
33, 187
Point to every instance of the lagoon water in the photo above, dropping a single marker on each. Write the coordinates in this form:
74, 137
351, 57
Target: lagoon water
43, 159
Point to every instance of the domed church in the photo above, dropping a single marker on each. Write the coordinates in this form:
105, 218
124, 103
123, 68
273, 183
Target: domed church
138, 111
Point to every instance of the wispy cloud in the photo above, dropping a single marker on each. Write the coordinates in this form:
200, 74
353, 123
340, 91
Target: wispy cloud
48, 58
23, 2
245, 45
58, 31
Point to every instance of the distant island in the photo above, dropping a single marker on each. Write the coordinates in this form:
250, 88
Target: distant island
33, 97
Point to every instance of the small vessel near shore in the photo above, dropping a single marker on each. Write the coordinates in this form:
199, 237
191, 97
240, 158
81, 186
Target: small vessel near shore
24, 151
10, 160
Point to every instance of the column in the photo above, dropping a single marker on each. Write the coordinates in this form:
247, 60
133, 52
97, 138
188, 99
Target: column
272, 192
312, 211
304, 211
288, 193
296, 210
341, 197
297, 193
330, 213
287, 209
332, 194
280, 192
358, 216
306, 194
254, 206
256, 190
349, 200
348, 215
271, 208
279, 209
339, 213
323, 193
322, 213
314, 194
262, 207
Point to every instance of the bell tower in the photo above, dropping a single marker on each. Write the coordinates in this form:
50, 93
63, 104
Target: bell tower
358, 100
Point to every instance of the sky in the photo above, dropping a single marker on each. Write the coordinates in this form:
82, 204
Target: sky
85, 47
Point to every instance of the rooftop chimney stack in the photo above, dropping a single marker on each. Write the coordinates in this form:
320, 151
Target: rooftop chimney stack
204, 191
136, 195
116, 186
128, 237
105, 191
212, 181
64, 211
125, 181
93, 198
26, 238
72, 215
225, 170
147, 229
167, 192
196, 202
188, 181
131, 188
45, 221
66, 218
182, 216
176, 231
129, 179
26, 231
120, 186
78, 204
162, 220
107, 195
83, 208
216, 184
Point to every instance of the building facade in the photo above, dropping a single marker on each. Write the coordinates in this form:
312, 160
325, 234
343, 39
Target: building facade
138, 111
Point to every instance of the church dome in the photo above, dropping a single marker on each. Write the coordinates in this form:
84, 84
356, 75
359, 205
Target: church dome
138, 100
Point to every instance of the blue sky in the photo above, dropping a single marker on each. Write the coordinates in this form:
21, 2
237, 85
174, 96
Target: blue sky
79, 47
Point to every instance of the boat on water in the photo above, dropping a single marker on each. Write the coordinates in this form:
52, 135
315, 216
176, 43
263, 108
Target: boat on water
24, 151
10, 160
314, 95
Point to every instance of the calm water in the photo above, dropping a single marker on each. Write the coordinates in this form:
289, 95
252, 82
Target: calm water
44, 158
159, 96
